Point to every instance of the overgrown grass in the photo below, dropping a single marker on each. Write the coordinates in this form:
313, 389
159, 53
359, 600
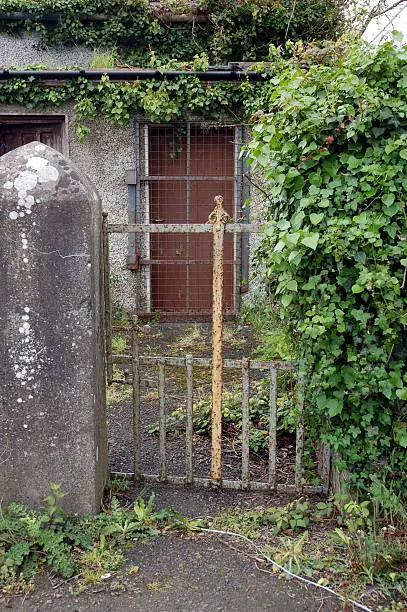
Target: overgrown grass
337, 543
191, 339
104, 58
119, 344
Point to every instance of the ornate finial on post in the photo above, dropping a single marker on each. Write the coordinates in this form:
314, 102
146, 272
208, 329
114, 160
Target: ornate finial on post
218, 216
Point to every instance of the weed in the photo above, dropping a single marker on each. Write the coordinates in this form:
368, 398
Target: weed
183, 523
295, 516
230, 336
275, 340
388, 505
118, 392
151, 396
121, 316
259, 406
351, 514
116, 485
395, 606
370, 555
89, 546
119, 344
290, 553
103, 58
158, 586
156, 318
94, 563
192, 338
30, 539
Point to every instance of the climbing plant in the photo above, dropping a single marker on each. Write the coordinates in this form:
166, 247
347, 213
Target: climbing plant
234, 31
118, 102
333, 147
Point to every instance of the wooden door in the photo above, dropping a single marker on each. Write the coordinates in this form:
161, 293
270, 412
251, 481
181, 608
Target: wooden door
188, 167
18, 131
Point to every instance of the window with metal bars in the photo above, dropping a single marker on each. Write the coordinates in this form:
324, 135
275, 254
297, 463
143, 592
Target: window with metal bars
180, 168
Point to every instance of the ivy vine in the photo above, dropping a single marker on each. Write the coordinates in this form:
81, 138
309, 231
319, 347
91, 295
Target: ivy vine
333, 147
119, 102
234, 31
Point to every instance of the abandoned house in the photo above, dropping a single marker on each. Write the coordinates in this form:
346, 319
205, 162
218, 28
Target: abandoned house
147, 172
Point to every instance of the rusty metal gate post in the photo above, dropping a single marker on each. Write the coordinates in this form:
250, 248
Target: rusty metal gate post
218, 218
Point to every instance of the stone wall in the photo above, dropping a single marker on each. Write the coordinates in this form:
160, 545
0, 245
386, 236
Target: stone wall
21, 50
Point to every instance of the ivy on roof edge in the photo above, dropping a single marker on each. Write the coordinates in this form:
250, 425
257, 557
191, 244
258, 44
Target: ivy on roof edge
234, 31
119, 102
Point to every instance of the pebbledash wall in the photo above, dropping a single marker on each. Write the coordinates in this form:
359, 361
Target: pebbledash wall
105, 156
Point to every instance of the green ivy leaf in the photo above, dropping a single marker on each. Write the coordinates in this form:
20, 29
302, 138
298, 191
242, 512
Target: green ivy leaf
400, 434
286, 299
292, 285
334, 406
402, 393
311, 241
316, 218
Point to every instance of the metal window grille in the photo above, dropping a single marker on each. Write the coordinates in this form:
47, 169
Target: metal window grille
180, 168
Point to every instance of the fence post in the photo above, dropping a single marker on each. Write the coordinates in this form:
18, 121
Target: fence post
218, 218
135, 368
108, 306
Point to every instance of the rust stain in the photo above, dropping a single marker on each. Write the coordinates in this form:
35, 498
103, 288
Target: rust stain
218, 218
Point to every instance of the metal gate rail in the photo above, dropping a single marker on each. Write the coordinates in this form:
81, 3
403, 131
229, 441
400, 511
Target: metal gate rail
189, 362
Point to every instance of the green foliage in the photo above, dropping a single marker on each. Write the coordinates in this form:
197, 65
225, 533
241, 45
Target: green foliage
388, 503
234, 30
290, 553
336, 542
116, 486
259, 411
295, 516
103, 58
119, 344
275, 339
334, 152
117, 103
372, 556
31, 540
121, 316
353, 515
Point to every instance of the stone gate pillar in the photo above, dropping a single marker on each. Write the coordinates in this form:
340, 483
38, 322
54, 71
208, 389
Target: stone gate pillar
52, 398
